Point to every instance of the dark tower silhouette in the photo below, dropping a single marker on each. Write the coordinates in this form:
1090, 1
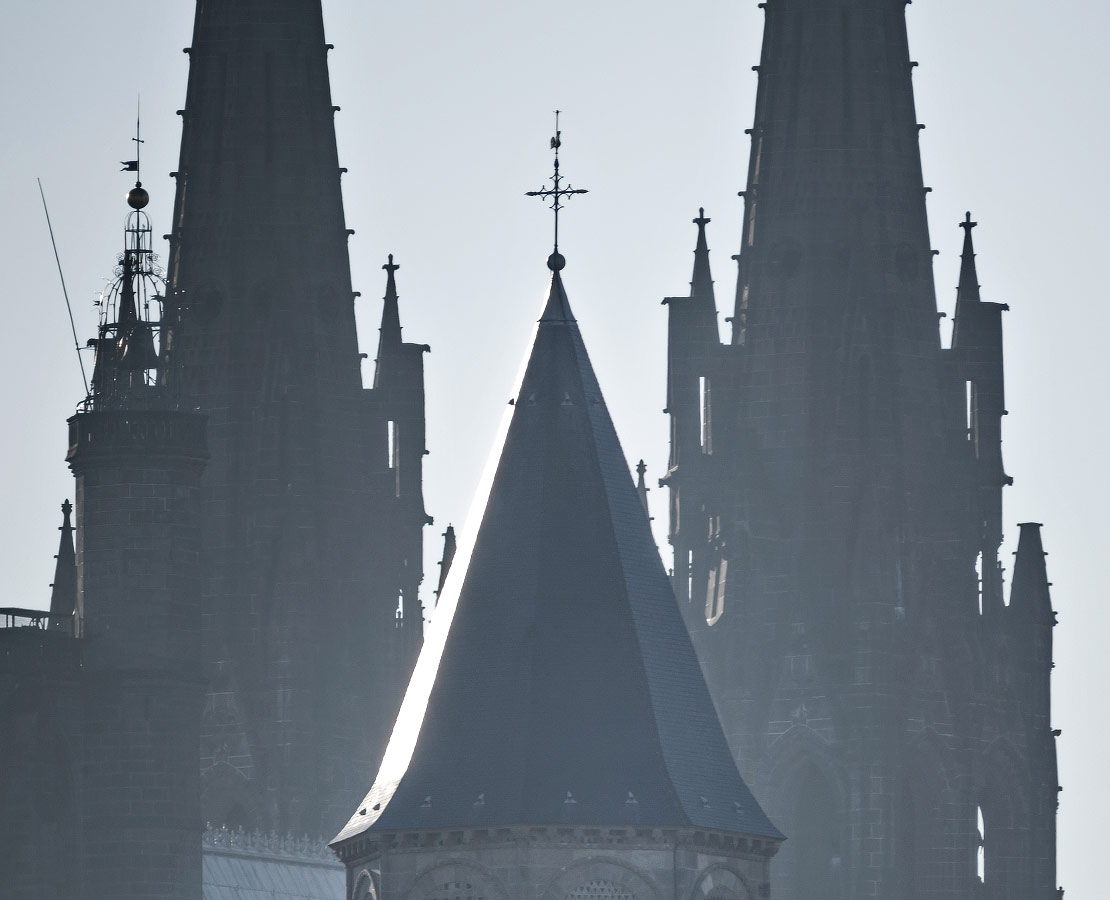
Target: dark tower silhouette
836, 501
312, 507
137, 460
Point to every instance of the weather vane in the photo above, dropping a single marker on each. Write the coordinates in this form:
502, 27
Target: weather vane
556, 193
132, 165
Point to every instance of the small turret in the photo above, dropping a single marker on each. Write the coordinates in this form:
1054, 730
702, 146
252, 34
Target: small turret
701, 285
1030, 626
389, 334
978, 364
968, 290
63, 594
642, 488
694, 369
1029, 595
447, 558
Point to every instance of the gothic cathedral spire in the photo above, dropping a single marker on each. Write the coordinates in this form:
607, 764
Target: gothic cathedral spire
300, 501
836, 486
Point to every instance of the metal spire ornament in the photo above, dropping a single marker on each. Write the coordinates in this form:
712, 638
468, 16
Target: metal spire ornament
556, 261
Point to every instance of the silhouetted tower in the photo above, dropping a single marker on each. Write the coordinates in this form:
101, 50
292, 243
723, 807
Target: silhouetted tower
977, 360
836, 498
399, 397
310, 513
137, 459
693, 368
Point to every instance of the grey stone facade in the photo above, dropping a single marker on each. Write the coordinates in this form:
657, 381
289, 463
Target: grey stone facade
553, 863
229, 637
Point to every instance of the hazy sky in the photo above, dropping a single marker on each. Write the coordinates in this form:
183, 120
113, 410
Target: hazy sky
446, 113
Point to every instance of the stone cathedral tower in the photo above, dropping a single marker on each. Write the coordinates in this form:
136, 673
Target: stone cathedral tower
312, 503
836, 487
248, 521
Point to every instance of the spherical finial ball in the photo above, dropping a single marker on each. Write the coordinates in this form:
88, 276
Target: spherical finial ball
556, 262
137, 198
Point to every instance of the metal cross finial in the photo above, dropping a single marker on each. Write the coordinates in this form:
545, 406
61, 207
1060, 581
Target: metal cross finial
556, 193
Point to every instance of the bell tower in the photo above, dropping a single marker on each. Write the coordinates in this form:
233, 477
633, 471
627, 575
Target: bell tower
137, 458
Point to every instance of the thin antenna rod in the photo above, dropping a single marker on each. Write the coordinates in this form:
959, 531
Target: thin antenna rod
138, 136
65, 293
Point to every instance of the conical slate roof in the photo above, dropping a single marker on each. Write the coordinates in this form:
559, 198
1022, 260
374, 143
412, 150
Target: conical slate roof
557, 684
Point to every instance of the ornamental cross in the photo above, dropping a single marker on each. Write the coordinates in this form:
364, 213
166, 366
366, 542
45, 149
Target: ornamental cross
556, 192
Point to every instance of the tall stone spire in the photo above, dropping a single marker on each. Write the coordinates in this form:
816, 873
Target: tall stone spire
836, 487
259, 241
301, 495
835, 254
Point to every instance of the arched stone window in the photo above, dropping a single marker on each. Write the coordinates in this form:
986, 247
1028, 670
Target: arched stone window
364, 887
